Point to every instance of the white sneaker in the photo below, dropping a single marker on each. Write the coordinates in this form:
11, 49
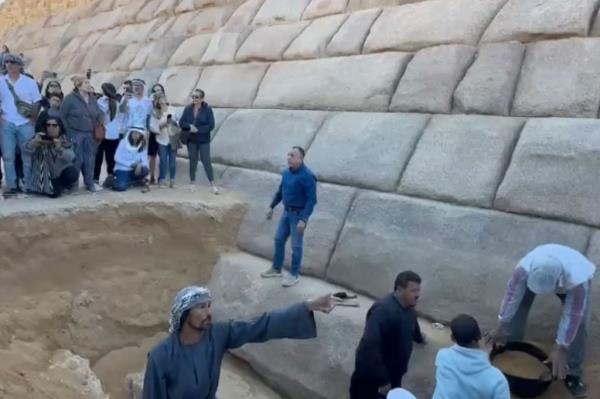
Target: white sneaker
98, 187
290, 280
271, 272
215, 190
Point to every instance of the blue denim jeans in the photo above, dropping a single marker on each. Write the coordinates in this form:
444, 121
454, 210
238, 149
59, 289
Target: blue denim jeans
576, 355
165, 155
124, 178
288, 227
16, 136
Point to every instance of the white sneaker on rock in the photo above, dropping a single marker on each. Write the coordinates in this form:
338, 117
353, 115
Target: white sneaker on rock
271, 272
290, 280
215, 190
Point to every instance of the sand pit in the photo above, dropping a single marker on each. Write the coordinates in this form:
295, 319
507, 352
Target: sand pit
85, 294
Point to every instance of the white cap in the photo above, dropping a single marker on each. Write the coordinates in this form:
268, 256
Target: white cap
544, 274
400, 393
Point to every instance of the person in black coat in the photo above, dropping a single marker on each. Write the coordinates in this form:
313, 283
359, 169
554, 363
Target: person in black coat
386, 345
197, 123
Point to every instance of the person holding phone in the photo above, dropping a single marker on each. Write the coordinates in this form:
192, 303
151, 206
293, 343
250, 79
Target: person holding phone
164, 128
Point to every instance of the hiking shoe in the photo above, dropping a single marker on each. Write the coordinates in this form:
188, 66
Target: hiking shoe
271, 272
290, 280
577, 387
162, 184
12, 193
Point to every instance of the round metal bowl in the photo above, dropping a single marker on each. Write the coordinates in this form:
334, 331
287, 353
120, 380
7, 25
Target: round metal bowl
525, 387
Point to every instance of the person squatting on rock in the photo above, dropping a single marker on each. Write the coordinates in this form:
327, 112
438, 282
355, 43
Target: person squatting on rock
81, 115
298, 191
163, 126
131, 160
19, 97
113, 119
52, 160
464, 371
558, 269
197, 122
385, 348
187, 364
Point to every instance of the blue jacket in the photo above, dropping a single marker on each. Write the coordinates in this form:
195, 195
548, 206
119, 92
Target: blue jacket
298, 189
204, 122
465, 373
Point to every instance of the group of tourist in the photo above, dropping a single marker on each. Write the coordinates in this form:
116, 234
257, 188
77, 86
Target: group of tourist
47, 141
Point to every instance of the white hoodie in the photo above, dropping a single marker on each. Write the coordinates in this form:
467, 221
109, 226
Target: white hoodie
127, 155
465, 373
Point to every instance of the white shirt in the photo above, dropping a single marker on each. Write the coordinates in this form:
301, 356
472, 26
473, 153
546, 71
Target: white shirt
113, 128
137, 112
163, 134
27, 90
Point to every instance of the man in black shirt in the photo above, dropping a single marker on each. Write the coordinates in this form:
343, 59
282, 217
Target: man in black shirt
387, 342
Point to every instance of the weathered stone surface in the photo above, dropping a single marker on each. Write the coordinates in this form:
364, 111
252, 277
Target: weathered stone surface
357, 83
190, 51
224, 44
181, 25
552, 172
430, 79
313, 40
232, 85
330, 355
594, 255
528, 20
560, 78
209, 20
166, 8
383, 141
135, 384
260, 139
461, 158
320, 8
430, 23
128, 14
108, 36
490, 83
245, 13
179, 82
44, 37
459, 252
267, 43
126, 57
256, 233
277, 11
41, 60
116, 78
162, 30
101, 56
136, 32
147, 12
354, 5
141, 57
90, 41
162, 51
351, 36
150, 76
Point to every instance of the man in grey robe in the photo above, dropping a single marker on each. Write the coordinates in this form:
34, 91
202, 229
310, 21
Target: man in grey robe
187, 364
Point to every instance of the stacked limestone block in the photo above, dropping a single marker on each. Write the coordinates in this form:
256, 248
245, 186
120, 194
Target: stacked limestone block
448, 136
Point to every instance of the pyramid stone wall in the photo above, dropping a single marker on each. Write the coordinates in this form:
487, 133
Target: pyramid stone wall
449, 136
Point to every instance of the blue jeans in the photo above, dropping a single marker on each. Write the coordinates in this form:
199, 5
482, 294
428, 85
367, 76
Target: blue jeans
16, 136
124, 178
576, 355
165, 153
288, 227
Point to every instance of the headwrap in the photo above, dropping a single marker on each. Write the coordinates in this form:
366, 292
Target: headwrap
544, 274
400, 393
186, 299
139, 81
12, 58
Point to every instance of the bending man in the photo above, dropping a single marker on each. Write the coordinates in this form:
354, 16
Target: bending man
558, 269
187, 364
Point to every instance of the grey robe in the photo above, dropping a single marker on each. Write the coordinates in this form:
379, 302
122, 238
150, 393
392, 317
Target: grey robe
176, 371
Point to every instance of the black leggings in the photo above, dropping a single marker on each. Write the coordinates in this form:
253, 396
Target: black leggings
106, 148
203, 151
362, 387
65, 181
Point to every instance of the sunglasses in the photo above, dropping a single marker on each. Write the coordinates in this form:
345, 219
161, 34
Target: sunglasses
51, 124
11, 62
196, 97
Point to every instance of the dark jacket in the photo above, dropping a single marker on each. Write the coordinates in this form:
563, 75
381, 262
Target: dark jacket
204, 122
298, 189
387, 342
79, 116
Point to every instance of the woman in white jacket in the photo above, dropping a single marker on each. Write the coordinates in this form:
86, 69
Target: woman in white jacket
131, 160
163, 124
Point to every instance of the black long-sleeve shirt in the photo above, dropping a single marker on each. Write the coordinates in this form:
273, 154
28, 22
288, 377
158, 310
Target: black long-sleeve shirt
387, 342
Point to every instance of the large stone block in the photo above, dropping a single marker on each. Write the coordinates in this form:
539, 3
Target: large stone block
142, 56
101, 56
116, 78
528, 20
357, 83
489, 85
126, 57
277, 11
232, 85
162, 51
464, 255
147, 12
245, 13
351, 36
354, 5
430, 79
256, 233
320, 8
180, 27
461, 158
383, 141
163, 29
267, 43
179, 82
209, 20
560, 78
553, 171
593, 254
128, 14
150, 76
220, 115
166, 8
224, 44
314, 39
109, 36
136, 33
430, 23
260, 139
190, 51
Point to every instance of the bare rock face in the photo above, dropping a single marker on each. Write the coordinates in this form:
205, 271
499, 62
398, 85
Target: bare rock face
74, 372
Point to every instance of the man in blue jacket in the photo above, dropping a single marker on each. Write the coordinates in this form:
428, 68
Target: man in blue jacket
298, 191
